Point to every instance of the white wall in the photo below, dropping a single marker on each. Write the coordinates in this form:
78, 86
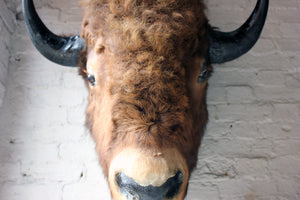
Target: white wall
7, 27
252, 143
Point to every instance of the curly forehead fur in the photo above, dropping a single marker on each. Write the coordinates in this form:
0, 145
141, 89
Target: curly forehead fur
149, 49
135, 25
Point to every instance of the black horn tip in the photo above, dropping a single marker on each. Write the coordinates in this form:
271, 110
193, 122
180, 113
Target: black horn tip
228, 46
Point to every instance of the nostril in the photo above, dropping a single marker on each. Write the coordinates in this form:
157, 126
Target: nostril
134, 191
174, 185
126, 186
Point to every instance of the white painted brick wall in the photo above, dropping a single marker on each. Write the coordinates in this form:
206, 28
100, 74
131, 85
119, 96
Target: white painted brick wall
252, 143
7, 27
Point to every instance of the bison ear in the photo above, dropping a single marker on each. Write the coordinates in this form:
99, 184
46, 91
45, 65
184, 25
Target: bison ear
228, 46
61, 50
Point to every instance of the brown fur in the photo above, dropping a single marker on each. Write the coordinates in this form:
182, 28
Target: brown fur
148, 57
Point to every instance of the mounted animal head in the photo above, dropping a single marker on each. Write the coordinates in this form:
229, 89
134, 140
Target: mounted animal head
147, 65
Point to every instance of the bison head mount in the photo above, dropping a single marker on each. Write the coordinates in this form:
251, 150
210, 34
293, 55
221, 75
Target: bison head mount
147, 64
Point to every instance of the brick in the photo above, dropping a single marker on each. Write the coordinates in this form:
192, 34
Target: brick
86, 190
57, 19
294, 61
271, 78
272, 30
59, 133
230, 17
262, 188
240, 94
281, 4
48, 172
230, 113
288, 188
264, 46
284, 14
3, 73
59, 98
94, 172
293, 79
278, 130
2, 93
233, 189
233, 112
290, 30
233, 3
241, 147
266, 62
50, 18
35, 152
30, 191
10, 171
216, 95
37, 78
237, 129
71, 79
61, 4
49, 134
23, 45
7, 16
288, 45
69, 151
198, 191
72, 17
277, 94
36, 117
218, 129
2, 26
285, 147
242, 75
215, 166
4, 56
252, 169
288, 165
76, 115
286, 113
12, 4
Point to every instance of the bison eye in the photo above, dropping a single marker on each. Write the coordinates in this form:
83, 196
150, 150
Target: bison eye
204, 73
91, 79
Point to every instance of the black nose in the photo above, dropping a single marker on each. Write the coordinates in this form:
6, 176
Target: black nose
134, 191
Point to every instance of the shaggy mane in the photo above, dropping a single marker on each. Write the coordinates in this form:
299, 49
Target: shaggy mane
135, 25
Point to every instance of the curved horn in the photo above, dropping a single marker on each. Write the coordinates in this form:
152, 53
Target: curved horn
61, 50
228, 46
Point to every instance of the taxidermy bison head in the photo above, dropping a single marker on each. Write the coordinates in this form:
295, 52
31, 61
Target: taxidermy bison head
146, 63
